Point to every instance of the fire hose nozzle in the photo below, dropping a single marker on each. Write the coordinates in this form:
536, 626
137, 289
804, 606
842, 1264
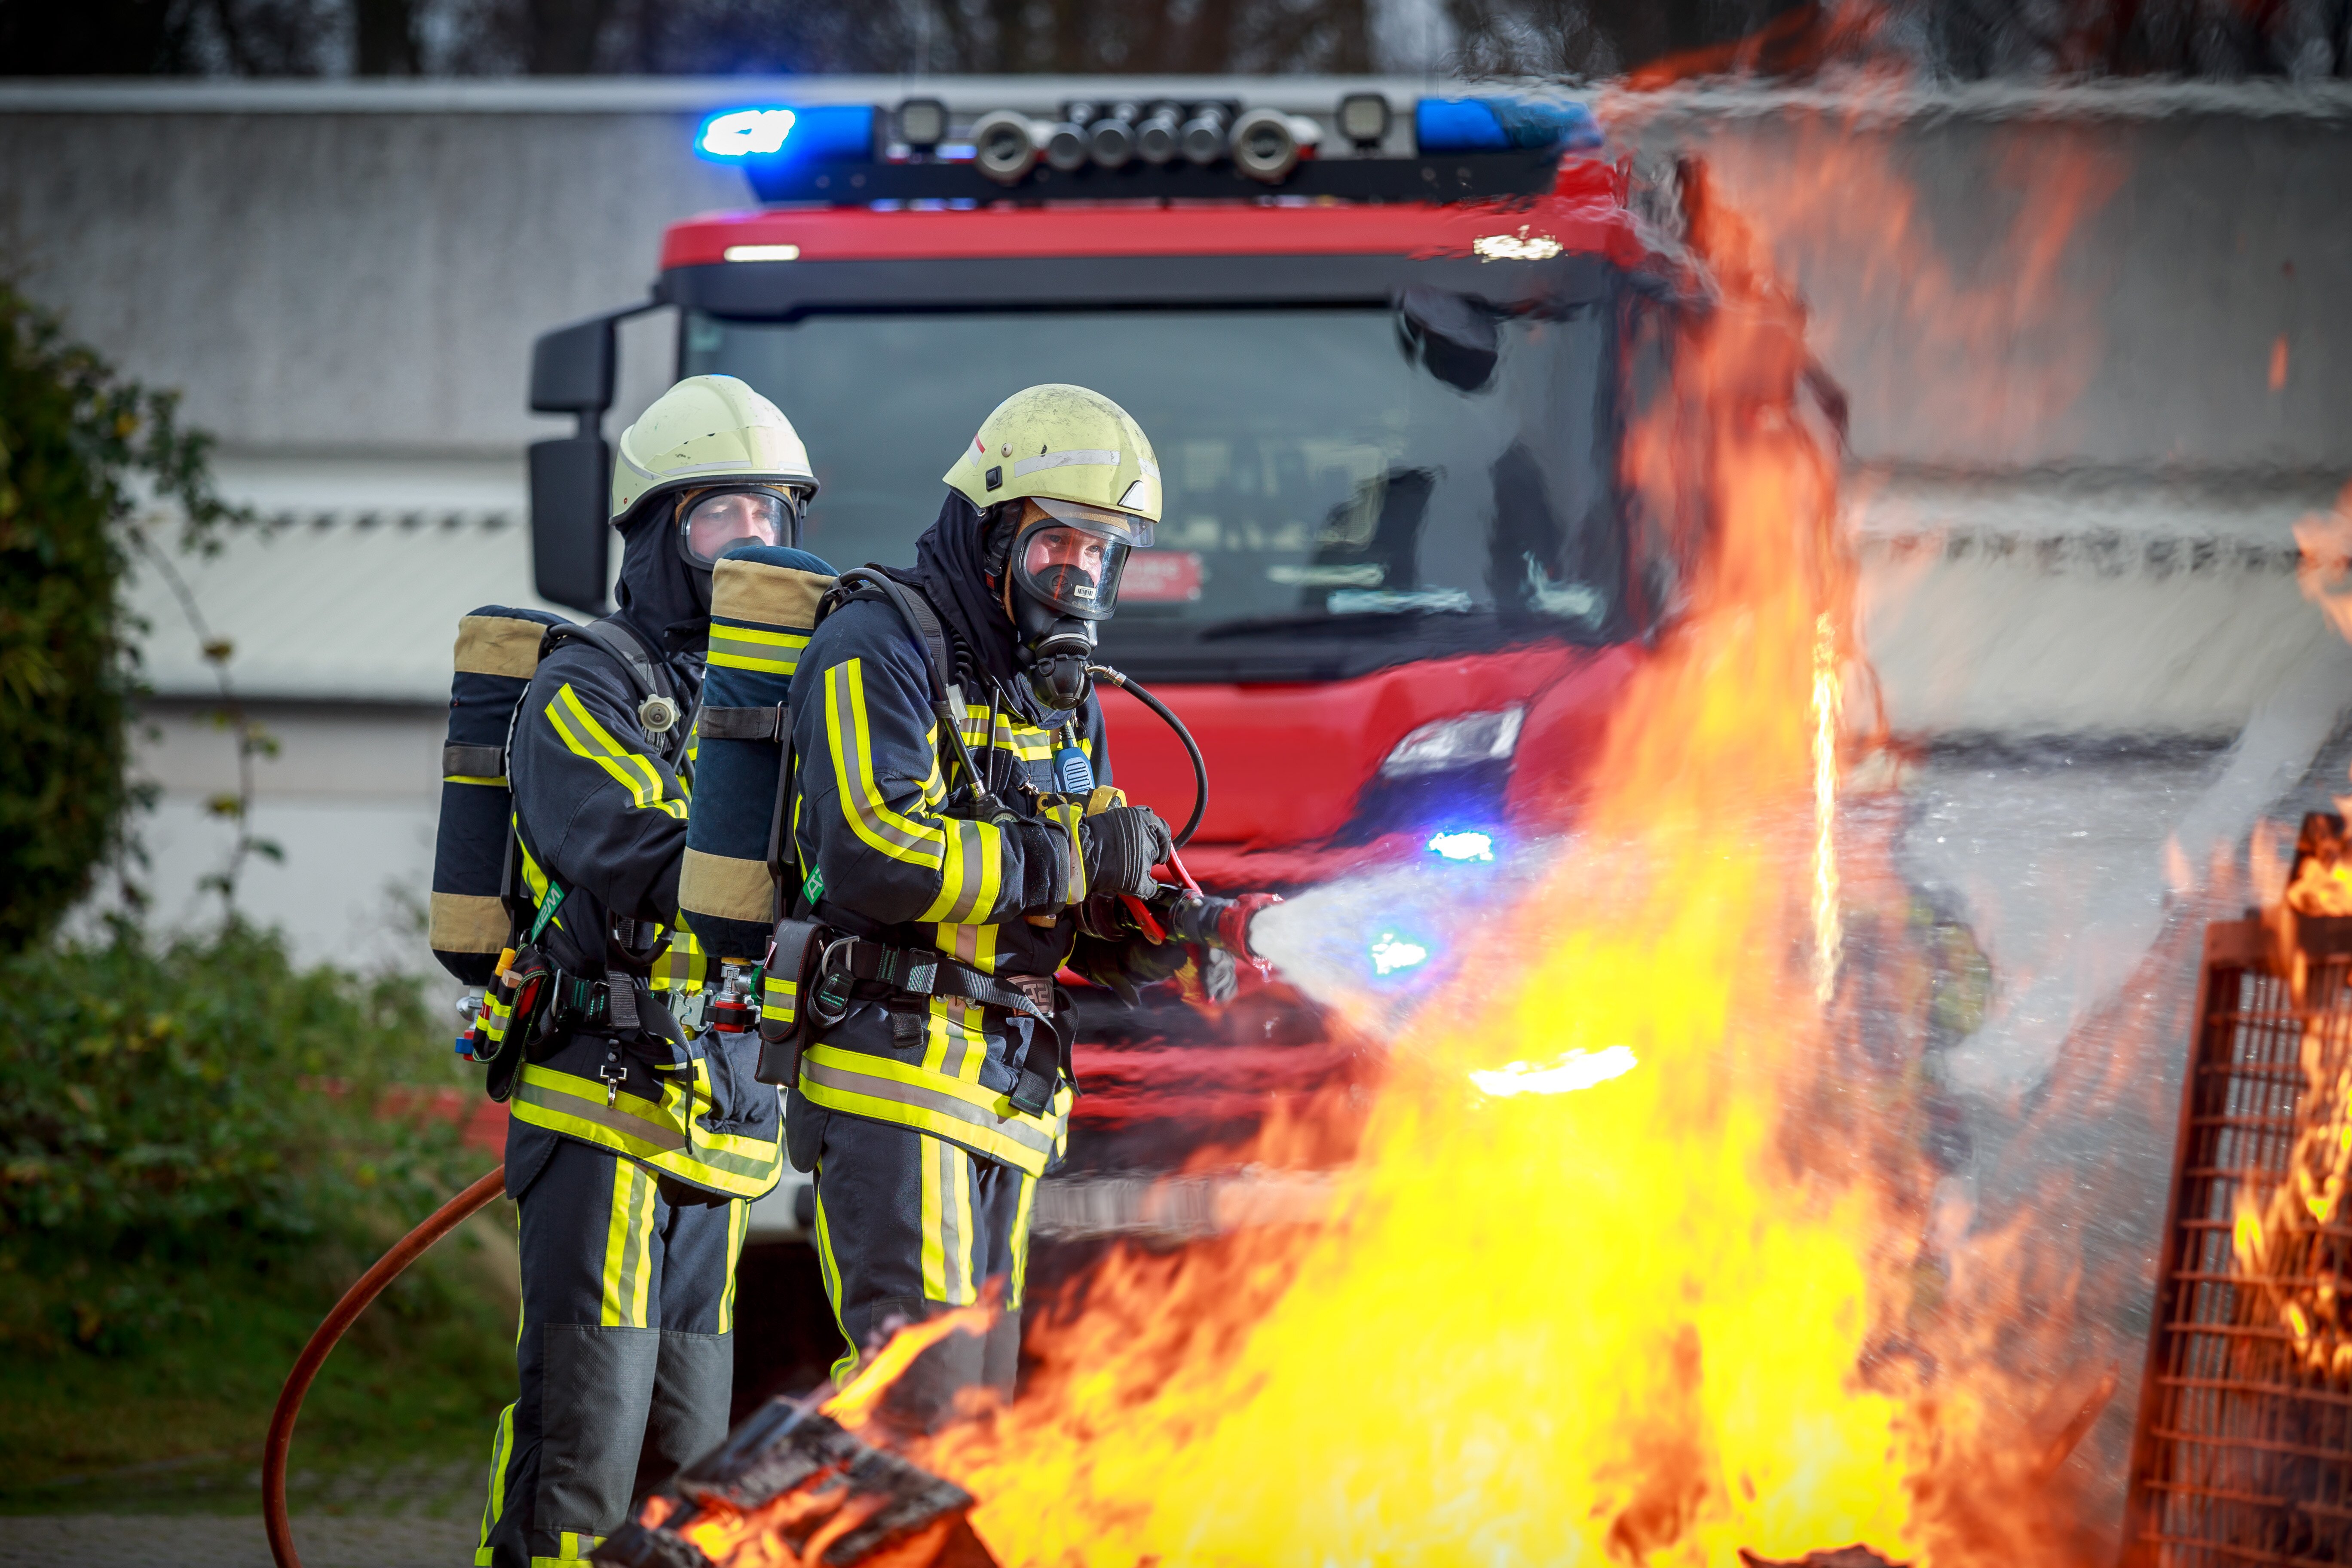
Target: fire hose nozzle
1218, 922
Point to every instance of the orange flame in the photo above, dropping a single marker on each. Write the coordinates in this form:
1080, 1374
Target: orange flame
856, 1402
1672, 1316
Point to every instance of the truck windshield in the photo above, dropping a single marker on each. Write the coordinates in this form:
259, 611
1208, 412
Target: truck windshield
1332, 475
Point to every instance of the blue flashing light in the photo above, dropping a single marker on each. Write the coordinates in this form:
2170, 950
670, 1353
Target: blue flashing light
825, 133
1464, 845
1392, 954
745, 133
1498, 125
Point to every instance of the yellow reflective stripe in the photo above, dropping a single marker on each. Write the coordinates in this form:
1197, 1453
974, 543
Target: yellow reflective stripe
746, 647
969, 1022
628, 1250
976, 846
738, 1224
880, 1089
844, 1366
579, 731
1067, 816
1025, 742
727, 1164
469, 779
947, 1224
874, 822
501, 1450
933, 1220
1020, 1242
684, 966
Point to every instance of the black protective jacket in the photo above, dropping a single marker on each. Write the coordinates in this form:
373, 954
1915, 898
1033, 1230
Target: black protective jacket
600, 813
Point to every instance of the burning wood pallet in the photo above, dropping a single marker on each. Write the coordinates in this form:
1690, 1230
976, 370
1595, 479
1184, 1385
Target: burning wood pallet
2243, 1453
792, 1489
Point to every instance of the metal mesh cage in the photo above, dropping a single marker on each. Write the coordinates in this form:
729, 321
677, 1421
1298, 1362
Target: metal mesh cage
2243, 1453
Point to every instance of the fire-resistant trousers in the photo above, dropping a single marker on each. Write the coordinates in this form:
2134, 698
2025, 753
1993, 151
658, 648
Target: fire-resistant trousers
625, 1353
909, 1225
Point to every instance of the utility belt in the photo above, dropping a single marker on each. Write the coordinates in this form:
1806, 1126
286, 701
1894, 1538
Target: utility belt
542, 1003
816, 972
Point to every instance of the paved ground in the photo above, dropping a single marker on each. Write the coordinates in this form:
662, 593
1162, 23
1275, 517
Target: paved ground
200, 1540
420, 1513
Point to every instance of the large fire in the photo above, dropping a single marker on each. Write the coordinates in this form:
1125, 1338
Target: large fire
1632, 1263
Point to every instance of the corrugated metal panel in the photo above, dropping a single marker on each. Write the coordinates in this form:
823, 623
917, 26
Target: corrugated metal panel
352, 586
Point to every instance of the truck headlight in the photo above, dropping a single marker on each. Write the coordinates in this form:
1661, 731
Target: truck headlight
1457, 742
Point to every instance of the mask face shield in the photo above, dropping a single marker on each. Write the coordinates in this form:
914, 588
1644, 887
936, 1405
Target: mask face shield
1070, 560
709, 522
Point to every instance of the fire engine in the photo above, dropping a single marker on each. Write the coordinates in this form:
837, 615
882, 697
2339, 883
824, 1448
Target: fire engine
1386, 352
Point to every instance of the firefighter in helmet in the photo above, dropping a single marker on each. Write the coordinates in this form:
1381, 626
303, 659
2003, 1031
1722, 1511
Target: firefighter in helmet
928, 1109
634, 1151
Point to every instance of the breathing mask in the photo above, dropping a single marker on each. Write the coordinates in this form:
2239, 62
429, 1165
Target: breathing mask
1064, 569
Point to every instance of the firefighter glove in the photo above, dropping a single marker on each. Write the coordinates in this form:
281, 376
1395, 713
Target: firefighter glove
1122, 844
1127, 964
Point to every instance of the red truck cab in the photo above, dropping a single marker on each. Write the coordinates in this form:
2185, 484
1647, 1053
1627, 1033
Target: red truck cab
1398, 583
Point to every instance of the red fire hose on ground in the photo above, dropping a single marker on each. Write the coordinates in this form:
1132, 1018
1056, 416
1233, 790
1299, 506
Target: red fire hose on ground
405, 1251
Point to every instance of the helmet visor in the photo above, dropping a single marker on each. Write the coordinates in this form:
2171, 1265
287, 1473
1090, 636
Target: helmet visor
1074, 569
711, 521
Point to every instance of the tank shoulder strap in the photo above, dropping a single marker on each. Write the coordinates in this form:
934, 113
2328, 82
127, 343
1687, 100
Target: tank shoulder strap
612, 637
947, 702
871, 583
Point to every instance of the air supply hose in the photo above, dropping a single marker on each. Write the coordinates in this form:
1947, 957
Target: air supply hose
1200, 768
405, 1251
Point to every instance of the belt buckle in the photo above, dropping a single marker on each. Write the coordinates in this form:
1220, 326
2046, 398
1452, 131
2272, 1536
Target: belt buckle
1038, 988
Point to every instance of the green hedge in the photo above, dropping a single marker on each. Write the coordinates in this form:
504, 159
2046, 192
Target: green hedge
79, 449
194, 1161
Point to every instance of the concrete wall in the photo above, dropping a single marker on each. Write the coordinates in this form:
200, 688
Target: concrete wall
2097, 278
362, 269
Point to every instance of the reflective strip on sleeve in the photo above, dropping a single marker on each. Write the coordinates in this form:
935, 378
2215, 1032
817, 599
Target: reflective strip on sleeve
578, 729
878, 826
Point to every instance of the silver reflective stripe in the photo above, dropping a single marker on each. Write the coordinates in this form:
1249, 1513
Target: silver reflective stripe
658, 1133
1080, 457
928, 1099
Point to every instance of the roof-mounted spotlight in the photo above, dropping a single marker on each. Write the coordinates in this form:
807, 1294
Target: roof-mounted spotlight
1065, 146
1364, 119
1111, 138
1157, 139
1202, 140
1004, 146
1268, 143
922, 124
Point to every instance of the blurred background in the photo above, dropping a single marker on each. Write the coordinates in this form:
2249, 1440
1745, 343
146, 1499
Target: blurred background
2078, 268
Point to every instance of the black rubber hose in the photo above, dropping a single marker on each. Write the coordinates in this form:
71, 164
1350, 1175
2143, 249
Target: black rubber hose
1191, 749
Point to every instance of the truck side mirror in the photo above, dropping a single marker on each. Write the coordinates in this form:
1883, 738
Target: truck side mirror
570, 546
571, 368
571, 543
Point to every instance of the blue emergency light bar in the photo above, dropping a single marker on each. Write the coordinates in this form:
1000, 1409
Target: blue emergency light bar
828, 132
1464, 149
1492, 125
